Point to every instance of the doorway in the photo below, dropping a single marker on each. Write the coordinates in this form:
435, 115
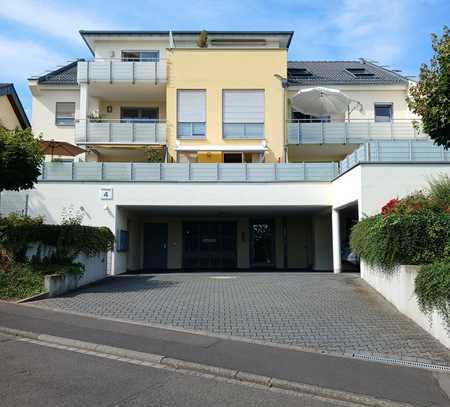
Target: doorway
262, 243
155, 246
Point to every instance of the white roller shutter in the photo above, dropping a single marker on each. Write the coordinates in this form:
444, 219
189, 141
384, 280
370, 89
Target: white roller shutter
243, 106
192, 106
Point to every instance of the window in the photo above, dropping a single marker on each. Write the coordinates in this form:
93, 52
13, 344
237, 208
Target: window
298, 73
65, 114
307, 118
139, 114
191, 112
360, 72
243, 114
383, 112
140, 56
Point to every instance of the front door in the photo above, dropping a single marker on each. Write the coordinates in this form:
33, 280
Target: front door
262, 243
155, 246
209, 245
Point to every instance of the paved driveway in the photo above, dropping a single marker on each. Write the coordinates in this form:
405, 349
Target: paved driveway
334, 313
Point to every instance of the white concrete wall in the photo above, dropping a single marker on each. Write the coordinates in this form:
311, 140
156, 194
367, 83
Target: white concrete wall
398, 288
106, 48
44, 109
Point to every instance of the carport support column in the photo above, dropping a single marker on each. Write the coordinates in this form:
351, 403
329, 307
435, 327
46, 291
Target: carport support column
336, 241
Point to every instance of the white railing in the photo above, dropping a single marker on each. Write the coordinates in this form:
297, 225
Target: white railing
120, 132
119, 71
150, 172
395, 151
355, 131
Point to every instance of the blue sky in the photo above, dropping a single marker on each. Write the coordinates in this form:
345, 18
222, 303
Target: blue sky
37, 36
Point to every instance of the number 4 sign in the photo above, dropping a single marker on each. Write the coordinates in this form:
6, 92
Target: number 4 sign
106, 194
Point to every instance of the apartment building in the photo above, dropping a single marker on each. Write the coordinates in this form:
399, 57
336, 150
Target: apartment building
197, 158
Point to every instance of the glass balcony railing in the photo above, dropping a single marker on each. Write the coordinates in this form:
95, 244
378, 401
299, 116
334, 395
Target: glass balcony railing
121, 131
355, 131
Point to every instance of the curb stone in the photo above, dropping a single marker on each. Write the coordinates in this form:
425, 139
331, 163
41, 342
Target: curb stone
142, 358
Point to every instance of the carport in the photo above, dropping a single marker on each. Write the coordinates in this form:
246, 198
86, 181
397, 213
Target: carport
195, 238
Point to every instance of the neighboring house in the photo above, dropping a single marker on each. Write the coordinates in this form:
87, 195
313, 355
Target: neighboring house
243, 180
12, 114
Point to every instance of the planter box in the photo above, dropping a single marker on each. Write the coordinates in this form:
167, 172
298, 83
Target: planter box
398, 289
95, 270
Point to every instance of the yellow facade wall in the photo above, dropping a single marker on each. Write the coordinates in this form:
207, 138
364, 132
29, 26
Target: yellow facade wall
8, 118
215, 70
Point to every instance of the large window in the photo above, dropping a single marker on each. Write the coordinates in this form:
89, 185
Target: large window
65, 114
383, 112
140, 56
191, 112
243, 114
139, 114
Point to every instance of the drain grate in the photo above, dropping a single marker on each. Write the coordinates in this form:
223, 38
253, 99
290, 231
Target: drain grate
409, 363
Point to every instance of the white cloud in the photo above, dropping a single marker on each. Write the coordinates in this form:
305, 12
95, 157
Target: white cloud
54, 19
24, 59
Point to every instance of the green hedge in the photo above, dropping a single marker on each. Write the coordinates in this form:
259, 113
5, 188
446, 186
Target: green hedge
68, 240
433, 288
389, 240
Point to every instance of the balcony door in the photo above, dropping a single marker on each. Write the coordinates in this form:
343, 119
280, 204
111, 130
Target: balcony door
139, 114
140, 56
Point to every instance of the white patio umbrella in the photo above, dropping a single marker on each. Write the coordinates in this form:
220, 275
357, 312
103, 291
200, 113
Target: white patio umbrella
323, 102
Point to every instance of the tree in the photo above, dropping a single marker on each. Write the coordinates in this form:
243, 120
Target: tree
430, 97
20, 159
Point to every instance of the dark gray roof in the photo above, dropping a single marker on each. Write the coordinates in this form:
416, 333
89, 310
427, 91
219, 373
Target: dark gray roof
8, 90
336, 73
66, 75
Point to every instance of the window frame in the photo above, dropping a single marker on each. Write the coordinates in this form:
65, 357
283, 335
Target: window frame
383, 104
139, 59
194, 135
139, 119
67, 123
244, 125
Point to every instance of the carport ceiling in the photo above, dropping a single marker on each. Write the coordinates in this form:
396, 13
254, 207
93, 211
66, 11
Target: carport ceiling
223, 210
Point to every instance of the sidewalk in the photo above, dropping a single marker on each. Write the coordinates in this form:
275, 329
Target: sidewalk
396, 383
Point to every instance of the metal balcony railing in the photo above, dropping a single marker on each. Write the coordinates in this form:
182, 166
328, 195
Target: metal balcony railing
355, 131
122, 71
120, 131
395, 151
149, 172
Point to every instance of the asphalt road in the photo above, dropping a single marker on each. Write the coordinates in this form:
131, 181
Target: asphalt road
35, 375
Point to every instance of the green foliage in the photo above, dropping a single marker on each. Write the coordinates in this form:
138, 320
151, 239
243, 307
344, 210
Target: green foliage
20, 159
202, 40
433, 288
402, 238
155, 155
66, 241
440, 191
430, 97
20, 282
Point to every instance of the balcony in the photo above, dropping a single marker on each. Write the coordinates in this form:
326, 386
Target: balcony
150, 172
355, 131
120, 132
123, 72
396, 151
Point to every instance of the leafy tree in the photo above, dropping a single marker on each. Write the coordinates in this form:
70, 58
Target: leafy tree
430, 97
20, 159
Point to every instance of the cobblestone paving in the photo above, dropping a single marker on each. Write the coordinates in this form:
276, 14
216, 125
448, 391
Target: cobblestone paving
317, 311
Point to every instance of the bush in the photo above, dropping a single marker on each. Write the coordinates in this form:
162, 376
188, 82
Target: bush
68, 241
433, 288
387, 241
20, 281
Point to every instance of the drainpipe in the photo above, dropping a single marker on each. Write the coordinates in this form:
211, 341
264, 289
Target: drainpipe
284, 85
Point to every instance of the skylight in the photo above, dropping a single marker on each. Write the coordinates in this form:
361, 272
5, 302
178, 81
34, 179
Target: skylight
360, 72
299, 73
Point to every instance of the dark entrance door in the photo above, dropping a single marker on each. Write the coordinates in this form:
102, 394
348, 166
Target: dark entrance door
209, 245
262, 243
155, 246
